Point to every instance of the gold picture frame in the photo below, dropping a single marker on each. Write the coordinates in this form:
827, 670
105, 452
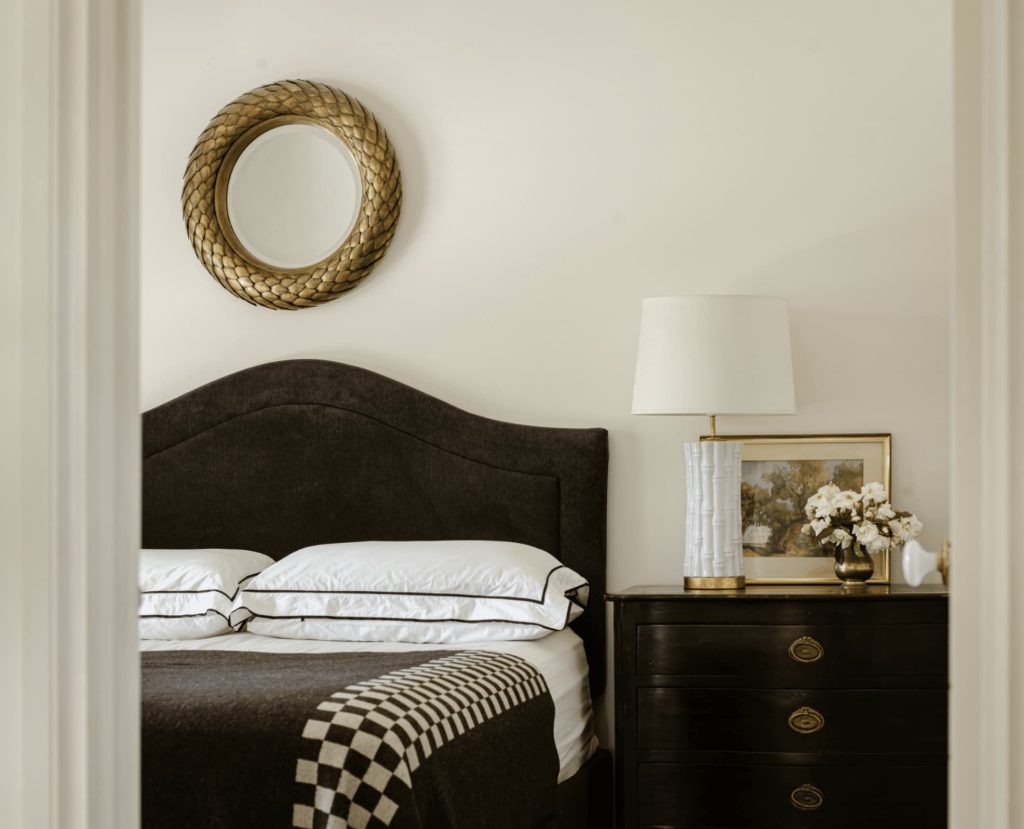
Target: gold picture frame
779, 473
209, 167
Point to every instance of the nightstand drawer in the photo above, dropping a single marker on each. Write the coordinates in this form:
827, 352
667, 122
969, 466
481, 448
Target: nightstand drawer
892, 721
792, 653
791, 797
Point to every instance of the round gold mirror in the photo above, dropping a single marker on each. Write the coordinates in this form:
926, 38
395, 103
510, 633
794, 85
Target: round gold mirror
291, 194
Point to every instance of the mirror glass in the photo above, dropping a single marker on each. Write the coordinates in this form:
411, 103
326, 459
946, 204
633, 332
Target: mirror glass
294, 195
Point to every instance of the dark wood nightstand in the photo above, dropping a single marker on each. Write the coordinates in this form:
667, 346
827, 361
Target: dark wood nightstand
781, 707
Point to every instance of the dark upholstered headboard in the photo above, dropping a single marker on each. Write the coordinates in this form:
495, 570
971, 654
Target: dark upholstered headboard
301, 452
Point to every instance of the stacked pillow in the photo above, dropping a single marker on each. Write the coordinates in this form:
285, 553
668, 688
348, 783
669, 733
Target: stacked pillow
413, 591
188, 594
409, 591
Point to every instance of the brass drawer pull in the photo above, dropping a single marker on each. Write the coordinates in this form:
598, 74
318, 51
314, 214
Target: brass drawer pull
807, 798
806, 649
806, 720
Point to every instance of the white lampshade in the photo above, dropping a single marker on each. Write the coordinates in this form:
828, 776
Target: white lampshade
714, 355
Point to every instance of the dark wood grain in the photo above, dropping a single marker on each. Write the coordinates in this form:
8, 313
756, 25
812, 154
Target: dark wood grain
728, 797
890, 721
896, 610
758, 650
775, 592
705, 686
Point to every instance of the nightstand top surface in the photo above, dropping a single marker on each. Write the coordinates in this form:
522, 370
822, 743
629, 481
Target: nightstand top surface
778, 591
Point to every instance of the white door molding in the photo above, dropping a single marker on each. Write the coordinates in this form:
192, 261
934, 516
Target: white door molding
69, 476
987, 488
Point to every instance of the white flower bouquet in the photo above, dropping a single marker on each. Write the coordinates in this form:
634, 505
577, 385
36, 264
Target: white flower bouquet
865, 520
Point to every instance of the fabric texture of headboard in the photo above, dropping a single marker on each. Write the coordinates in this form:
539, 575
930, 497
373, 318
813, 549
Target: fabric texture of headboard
288, 454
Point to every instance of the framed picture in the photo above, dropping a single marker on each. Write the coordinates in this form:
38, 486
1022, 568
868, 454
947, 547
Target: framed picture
779, 474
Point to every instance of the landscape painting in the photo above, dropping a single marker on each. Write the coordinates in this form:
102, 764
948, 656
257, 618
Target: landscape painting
772, 498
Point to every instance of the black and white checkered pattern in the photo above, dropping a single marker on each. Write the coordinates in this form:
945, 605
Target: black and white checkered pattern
364, 743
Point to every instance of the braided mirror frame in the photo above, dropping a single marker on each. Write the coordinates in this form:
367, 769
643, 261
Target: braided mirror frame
209, 168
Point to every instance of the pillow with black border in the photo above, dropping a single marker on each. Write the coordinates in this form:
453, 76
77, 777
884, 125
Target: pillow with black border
188, 594
441, 592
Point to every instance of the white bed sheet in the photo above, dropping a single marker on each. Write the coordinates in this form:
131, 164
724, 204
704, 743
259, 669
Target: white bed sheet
559, 657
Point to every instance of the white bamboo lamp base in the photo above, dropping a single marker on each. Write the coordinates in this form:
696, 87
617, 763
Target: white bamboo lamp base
714, 544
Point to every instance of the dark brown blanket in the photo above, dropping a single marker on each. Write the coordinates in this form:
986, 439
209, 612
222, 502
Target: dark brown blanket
423, 740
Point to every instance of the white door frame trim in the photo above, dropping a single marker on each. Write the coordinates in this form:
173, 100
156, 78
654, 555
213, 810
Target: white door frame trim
987, 487
70, 491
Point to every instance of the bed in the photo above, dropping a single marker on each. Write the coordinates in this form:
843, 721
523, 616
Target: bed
297, 453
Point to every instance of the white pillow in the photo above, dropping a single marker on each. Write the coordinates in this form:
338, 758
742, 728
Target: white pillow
413, 591
188, 594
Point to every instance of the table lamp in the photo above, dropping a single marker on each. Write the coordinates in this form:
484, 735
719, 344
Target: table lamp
713, 355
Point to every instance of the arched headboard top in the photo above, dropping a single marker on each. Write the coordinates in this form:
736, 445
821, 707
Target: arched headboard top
287, 454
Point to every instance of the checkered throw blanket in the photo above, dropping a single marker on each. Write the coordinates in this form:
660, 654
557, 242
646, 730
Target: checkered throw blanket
330, 741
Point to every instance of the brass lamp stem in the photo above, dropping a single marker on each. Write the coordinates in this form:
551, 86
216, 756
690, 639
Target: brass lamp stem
714, 434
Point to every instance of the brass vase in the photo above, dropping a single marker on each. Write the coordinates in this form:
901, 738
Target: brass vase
854, 566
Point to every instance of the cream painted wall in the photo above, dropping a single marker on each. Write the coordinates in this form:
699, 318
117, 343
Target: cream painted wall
563, 160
